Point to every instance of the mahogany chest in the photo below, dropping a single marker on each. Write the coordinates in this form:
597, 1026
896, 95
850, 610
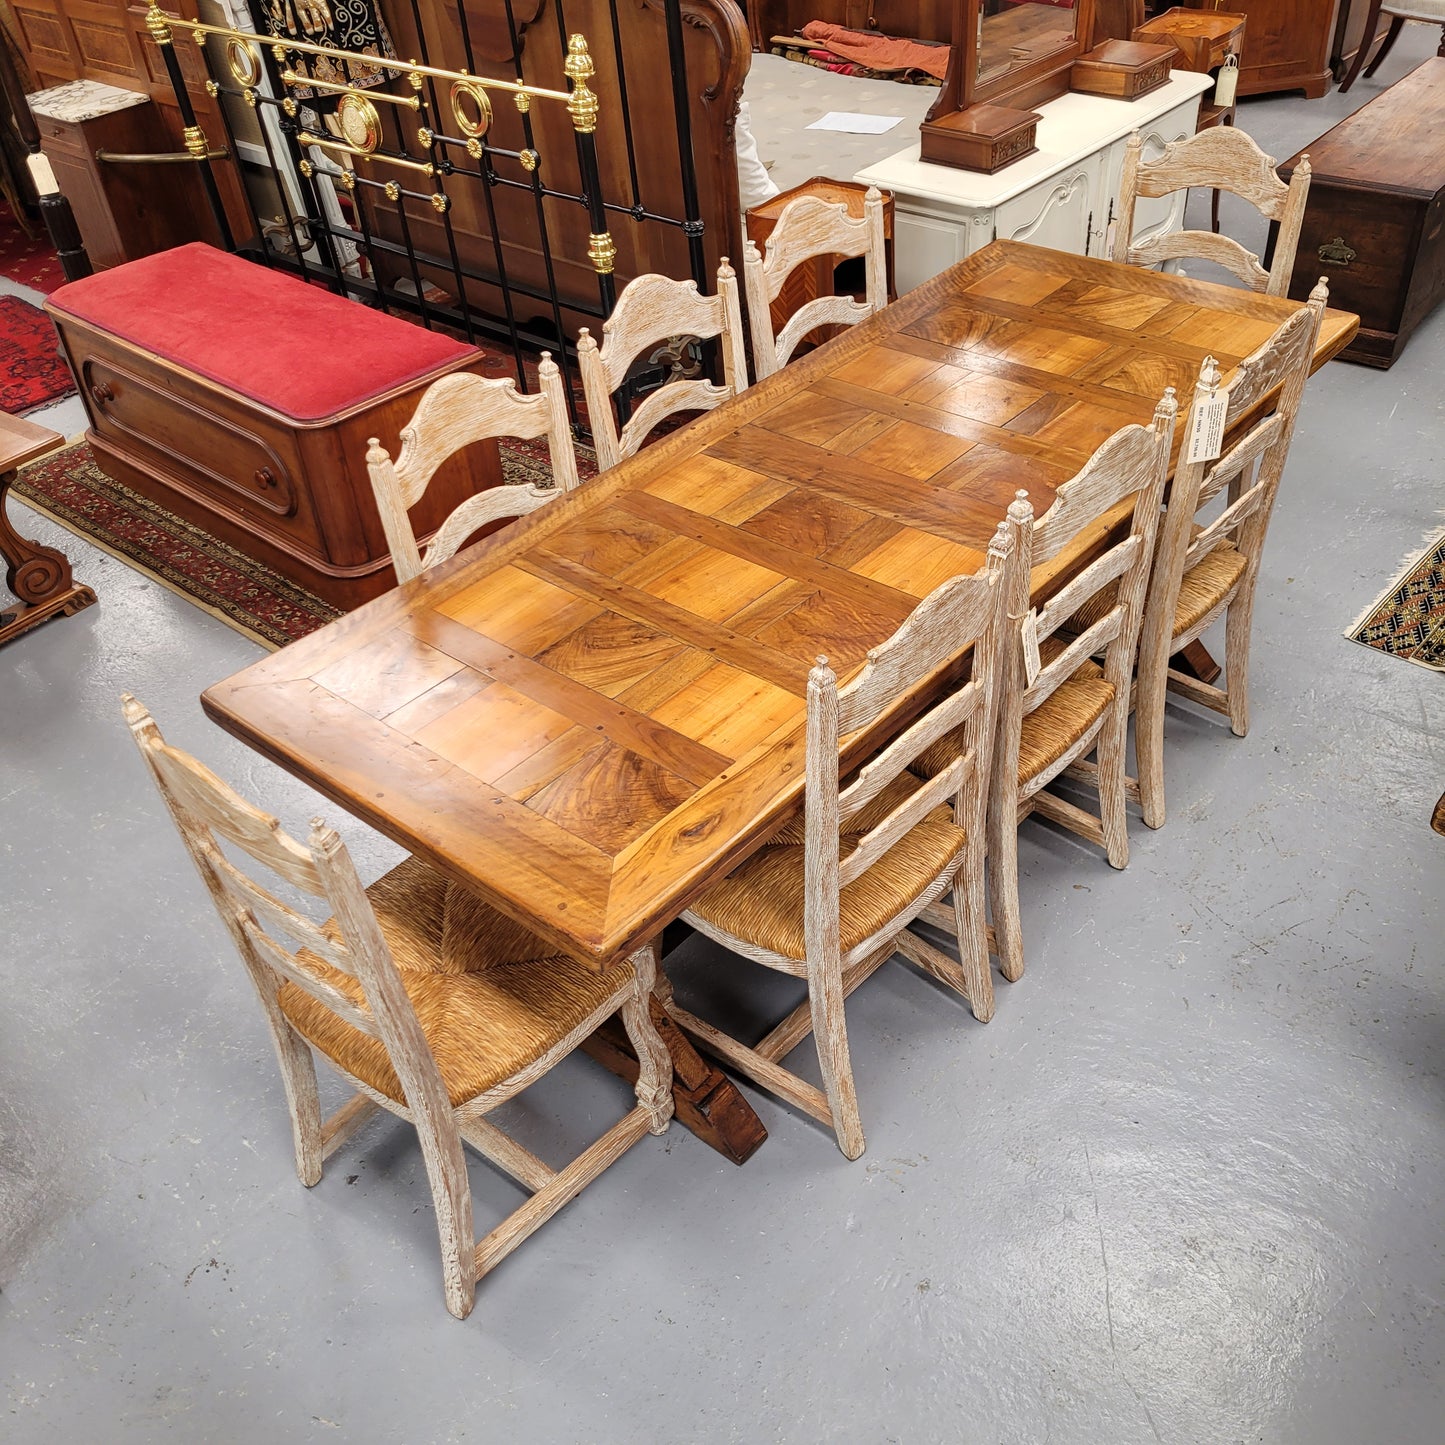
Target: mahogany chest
242, 400
1375, 223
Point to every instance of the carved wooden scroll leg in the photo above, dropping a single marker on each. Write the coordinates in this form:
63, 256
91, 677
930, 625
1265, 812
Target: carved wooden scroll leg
38, 576
704, 1099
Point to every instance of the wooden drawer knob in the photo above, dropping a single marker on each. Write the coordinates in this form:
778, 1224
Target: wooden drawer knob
265, 477
101, 392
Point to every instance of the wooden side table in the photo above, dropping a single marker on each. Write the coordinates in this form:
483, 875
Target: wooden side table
38, 576
1205, 40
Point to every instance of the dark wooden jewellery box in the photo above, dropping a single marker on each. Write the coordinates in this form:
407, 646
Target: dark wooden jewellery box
1375, 221
191, 424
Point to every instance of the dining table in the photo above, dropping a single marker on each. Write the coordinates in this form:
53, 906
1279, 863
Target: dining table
597, 712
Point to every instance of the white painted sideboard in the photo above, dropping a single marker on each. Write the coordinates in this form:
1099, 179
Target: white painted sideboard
1063, 196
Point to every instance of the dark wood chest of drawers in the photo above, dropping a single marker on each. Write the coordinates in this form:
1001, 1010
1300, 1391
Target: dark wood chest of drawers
1375, 224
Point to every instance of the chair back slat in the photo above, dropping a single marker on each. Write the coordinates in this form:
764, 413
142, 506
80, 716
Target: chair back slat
1222, 158
807, 228
959, 608
651, 311
953, 712
456, 412
1094, 639
197, 790
1091, 581
1123, 466
1240, 457
1270, 365
935, 793
293, 967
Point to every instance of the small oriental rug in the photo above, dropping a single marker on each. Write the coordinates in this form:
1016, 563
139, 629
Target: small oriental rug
33, 373
1407, 620
30, 260
69, 488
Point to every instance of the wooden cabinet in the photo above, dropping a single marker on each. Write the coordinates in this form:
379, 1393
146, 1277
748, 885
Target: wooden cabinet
1287, 43
107, 40
1062, 197
123, 210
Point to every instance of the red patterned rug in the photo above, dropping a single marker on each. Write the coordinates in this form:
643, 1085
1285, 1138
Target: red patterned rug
68, 487
32, 371
30, 260
1408, 619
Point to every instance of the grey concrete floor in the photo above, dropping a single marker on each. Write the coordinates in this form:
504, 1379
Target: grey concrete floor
1184, 1188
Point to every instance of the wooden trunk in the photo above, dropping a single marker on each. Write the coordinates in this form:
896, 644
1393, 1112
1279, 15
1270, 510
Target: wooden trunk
294, 495
1375, 224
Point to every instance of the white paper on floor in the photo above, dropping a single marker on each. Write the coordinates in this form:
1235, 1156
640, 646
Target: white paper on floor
855, 122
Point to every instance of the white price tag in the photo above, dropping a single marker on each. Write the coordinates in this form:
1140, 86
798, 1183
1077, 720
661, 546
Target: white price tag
1206, 429
1033, 663
42, 175
1228, 82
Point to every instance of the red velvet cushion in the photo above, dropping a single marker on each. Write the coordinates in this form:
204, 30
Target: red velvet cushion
294, 348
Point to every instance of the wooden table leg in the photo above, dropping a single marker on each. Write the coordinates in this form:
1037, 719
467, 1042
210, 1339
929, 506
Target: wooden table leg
1196, 661
705, 1100
38, 576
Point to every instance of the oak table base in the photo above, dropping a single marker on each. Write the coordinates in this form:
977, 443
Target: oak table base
38, 576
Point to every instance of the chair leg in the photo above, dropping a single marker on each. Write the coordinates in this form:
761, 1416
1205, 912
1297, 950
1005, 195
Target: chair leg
830, 1034
1236, 661
1149, 748
970, 931
1003, 880
1397, 24
1113, 748
654, 1072
298, 1076
1372, 21
451, 1192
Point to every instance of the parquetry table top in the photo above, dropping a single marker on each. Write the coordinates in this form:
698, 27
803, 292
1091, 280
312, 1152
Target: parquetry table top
597, 712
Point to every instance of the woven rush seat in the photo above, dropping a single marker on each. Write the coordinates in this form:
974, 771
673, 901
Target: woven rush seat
1205, 585
762, 901
1054, 726
490, 996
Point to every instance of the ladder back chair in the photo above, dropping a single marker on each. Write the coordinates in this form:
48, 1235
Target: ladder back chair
1204, 571
809, 227
1062, 704
453, 413
651, 311
829, 897
1222, 159
432, 1005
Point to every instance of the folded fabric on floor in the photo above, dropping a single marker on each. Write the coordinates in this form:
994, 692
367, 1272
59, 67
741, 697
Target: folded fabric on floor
877, 51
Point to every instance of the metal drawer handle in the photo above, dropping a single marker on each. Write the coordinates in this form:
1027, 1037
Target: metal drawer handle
265, 477
101, 392
1337, 252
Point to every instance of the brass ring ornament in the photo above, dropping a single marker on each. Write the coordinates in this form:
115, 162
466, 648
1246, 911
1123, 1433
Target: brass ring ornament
360, 122
473, 127
244, 63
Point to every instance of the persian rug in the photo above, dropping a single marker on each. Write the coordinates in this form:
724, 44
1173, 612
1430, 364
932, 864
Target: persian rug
1407, 620
30, 260
33, 373
70, 489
